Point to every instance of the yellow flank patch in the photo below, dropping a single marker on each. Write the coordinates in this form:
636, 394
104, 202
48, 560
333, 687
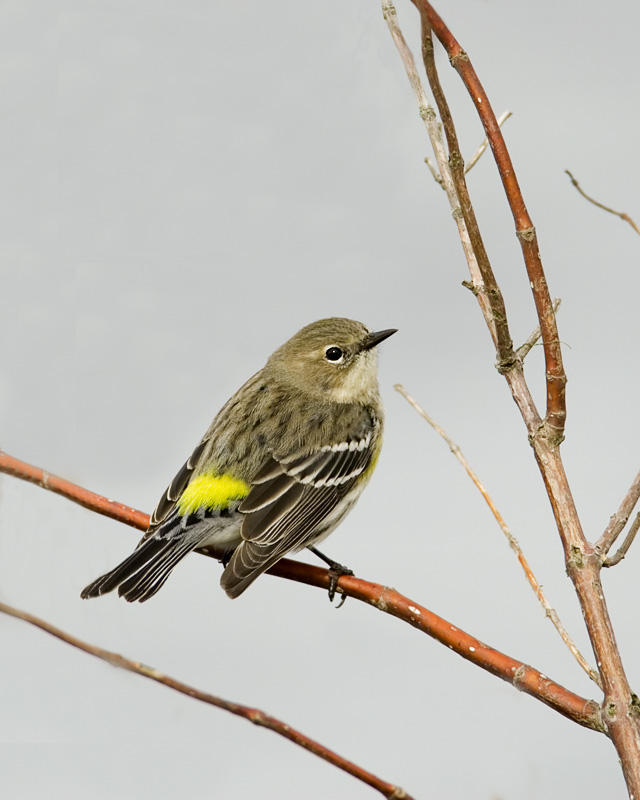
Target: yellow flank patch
211, 491
374, 460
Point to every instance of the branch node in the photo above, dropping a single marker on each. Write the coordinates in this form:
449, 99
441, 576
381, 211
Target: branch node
576, 559
518, 677
527, 235
475, 290
456, 161
461, 56
507, 363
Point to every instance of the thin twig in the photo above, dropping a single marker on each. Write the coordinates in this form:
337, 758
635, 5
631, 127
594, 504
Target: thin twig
444, 177
437, 177
624, 547
518, 674
549, 611
478, 154
620, 214
619, 519
523, 351
506, 358
254, 715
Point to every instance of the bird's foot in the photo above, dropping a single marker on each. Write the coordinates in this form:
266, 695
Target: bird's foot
336, 571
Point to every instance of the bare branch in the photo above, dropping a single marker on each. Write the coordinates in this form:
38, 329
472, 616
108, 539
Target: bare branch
624, 547
518, 674
254, 715
525, 231
620, 214
583, 564
549, 611
91, 500
523, 351
444, 178
437, 177
478, 154
619, 519
506, 358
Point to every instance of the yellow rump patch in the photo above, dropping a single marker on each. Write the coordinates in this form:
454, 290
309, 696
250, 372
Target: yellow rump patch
211, 491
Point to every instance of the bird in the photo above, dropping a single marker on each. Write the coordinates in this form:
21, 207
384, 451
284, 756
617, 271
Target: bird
280, 466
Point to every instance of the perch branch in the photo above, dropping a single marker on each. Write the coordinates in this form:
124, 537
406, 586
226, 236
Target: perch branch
549, 611
520, 675
254, 715
620, 214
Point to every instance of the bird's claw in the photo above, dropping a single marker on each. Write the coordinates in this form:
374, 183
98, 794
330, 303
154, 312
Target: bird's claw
336, 571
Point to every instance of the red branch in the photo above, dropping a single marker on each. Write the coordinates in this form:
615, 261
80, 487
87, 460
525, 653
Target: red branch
521, 676
525, 231
254, 715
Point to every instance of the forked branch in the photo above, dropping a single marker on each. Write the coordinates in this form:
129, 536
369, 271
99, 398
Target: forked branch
525, 231
582, 562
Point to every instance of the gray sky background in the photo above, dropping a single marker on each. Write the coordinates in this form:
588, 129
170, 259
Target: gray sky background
184, 185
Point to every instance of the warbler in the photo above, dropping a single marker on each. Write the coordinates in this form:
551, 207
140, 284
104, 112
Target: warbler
279, 467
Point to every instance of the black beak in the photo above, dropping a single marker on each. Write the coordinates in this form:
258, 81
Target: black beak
376, 337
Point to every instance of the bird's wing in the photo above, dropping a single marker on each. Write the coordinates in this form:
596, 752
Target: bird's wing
173, 492
289, 499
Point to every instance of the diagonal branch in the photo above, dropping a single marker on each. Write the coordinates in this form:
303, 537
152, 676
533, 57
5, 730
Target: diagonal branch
619, 519
518, 674
549, 611
525, 231
485, 143
620, 214
624, 547
254, 715
525, 348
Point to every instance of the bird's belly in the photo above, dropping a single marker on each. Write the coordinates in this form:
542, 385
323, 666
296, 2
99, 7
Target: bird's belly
224, 534
332, 520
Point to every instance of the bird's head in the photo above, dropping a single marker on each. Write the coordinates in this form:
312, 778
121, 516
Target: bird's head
334, 359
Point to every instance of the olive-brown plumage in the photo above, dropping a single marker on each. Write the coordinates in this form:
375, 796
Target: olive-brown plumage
281, 464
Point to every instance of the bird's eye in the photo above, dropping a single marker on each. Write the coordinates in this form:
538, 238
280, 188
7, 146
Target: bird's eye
334, 354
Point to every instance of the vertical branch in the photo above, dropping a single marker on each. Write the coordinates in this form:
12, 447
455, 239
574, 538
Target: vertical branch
583, 562
525, 231
445, 179
504, 345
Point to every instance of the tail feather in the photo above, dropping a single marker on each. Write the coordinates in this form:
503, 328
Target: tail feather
142, 573
147, 581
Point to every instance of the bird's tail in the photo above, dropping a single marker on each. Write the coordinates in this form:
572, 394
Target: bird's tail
140, 575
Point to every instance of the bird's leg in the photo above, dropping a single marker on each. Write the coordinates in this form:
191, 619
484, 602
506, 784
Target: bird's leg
336, 571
